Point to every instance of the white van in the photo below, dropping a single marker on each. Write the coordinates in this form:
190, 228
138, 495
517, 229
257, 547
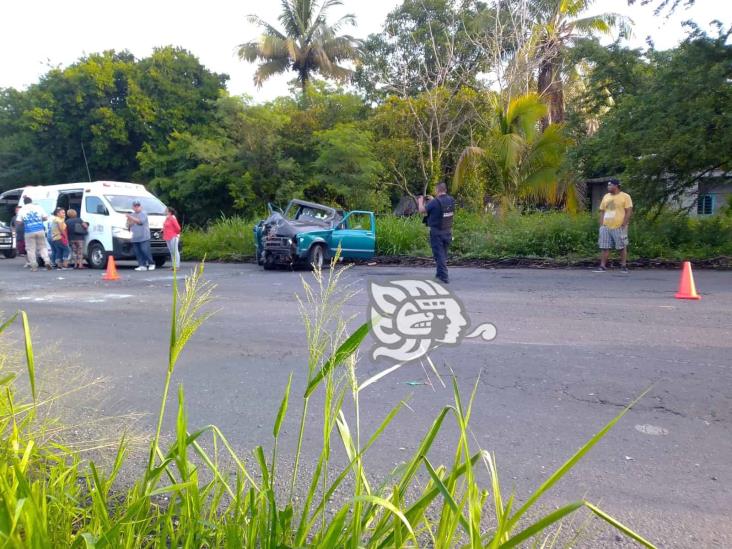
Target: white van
102, 204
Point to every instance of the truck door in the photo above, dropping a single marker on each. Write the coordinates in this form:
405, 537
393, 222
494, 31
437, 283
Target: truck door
356, 235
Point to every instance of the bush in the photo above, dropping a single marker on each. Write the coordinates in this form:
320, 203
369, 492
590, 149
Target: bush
542, 235
226, 239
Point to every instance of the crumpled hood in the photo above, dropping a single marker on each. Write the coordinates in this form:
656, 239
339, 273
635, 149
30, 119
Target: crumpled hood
280, 226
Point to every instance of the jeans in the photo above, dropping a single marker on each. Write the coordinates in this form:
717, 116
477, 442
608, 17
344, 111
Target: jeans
143, 253
59, 252
173, 249
440, 243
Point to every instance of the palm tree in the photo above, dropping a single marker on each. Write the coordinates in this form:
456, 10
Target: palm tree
558, 26
518, 158
307, 45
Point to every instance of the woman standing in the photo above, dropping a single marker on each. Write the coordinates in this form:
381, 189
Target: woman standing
77, 230
171, 234
60, 238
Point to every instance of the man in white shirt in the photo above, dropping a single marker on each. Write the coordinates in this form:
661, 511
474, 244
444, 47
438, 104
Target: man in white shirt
33, 217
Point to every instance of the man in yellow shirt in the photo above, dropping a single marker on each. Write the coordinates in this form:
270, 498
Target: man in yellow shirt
616, 209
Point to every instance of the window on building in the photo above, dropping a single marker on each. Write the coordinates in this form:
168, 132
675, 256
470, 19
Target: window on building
705, 204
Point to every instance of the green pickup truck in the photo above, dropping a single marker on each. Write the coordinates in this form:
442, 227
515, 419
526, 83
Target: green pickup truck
306, 233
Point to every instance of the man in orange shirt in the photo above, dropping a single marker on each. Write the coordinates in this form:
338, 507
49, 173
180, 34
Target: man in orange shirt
616, 210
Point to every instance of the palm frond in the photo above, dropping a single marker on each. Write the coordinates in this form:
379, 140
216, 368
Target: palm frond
290, 18
507, 150
266, 27
270, 68
541, 183
272, 47
603, 23
525, 112
347, 20
340, 48
336, 72
466, 162
249, 51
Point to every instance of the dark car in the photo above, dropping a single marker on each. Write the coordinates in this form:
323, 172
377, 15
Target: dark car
7, 241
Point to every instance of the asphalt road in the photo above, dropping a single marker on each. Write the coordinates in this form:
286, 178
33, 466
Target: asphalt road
573, 347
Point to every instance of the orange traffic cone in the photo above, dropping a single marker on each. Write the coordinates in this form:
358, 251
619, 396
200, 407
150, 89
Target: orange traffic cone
687, 288
111, 273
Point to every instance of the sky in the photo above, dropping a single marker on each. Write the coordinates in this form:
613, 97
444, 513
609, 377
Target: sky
38, 34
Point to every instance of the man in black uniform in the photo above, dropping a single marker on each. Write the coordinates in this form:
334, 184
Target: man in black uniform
440, 212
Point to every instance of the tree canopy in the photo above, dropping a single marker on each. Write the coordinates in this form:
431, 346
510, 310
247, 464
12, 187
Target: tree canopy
449, 90
666, 116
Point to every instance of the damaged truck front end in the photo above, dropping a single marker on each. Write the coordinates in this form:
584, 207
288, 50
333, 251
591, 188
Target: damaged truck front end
307, 233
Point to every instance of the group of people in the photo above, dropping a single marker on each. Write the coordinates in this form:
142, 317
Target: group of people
66, 233
63, 235
616, 209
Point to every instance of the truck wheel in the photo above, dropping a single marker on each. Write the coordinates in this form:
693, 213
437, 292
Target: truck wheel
316, 256
96, 257
268, 263
10, 254
160, 260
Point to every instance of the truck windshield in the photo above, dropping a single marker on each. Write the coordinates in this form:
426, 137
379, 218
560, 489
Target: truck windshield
123, 204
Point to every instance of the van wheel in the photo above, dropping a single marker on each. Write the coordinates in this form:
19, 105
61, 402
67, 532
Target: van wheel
316, 256
96, 256
160, 260
10, 254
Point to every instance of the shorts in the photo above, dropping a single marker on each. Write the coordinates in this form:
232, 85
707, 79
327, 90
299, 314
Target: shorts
613, 238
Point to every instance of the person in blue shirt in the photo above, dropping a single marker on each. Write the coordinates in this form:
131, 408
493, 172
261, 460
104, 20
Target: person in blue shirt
440, 214
32, 216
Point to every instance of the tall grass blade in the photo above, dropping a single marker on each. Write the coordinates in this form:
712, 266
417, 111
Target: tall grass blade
541, 525
381, 502
283, 408
620, 526
8, 322
346, 349
29, 358
571, 462
446, 494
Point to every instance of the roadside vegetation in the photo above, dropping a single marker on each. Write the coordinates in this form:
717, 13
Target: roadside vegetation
512, 103
555, 236
184, 496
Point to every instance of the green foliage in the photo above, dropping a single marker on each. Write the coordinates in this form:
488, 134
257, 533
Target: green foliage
518, 160
417, 39
554, 236
558, 26
308, 44
226, 239
347, 168
669, 119
187, 497
560, 237
401, 236
112, 105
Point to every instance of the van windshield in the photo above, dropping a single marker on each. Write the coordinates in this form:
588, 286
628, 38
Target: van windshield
123, 204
